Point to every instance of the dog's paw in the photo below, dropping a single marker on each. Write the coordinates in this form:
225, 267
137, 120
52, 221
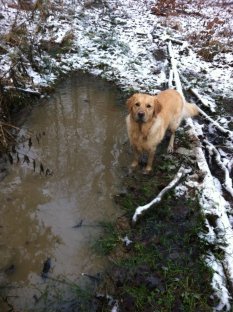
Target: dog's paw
134, 164
147, 170
170, 149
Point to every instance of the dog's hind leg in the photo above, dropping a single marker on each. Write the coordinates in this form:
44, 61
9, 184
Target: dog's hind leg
173, 126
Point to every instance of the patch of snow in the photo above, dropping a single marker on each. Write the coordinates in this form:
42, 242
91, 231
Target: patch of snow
180, 190
126, 241
219, 283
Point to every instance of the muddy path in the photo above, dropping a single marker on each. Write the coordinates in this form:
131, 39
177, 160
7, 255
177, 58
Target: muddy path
78, 137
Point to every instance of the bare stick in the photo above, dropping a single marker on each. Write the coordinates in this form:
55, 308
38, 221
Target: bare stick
140, 209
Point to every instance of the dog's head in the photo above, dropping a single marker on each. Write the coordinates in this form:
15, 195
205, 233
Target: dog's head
143, 107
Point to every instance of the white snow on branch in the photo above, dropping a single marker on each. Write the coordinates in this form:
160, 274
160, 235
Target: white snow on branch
203, 100
215, 123
27, 90
179, 88
182, 171
212, 203
228, 181
219, 283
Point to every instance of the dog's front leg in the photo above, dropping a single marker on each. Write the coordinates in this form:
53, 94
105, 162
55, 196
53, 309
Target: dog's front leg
135, 161
151, 154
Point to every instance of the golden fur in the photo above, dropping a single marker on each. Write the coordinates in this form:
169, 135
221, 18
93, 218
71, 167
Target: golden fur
150, 116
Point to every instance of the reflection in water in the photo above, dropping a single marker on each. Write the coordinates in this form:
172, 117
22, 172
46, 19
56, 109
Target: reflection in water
80, 135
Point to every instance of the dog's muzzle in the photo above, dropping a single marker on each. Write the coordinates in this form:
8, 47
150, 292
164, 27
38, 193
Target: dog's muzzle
140, 116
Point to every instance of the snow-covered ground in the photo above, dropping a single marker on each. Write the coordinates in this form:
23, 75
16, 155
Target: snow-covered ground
122, 41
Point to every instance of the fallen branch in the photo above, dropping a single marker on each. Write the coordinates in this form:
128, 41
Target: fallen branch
174, 68
140, 209
172, 39
230, 164
32, 92
211, 200
203, 101
170, 80
215, 123
219, 280
228, 181
176, 41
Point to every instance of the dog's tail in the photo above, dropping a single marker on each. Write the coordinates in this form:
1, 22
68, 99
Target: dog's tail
190, 110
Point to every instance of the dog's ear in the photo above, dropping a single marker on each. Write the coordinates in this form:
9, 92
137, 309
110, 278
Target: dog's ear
130, 102
157, 106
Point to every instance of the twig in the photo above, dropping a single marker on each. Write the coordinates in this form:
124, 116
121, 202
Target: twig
2, 123
10, 135
140, 209
9, 70
3, 136
92, 277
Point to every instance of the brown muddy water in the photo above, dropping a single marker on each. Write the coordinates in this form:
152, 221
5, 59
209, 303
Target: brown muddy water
79, 134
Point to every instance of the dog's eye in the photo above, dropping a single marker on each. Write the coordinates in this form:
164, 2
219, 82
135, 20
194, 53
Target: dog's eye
148, 106
137, 104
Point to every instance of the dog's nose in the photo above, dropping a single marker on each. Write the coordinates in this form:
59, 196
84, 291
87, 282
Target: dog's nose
141, 115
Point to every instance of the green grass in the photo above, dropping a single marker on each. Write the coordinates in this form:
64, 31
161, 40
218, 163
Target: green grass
163, 269
108, 240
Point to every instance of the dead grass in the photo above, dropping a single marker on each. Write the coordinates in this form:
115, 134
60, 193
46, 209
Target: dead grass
23, 50
215, 31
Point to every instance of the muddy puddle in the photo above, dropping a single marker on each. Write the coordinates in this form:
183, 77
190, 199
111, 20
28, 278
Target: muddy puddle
78, 147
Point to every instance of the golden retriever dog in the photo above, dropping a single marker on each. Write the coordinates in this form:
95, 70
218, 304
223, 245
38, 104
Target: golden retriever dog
150, 117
